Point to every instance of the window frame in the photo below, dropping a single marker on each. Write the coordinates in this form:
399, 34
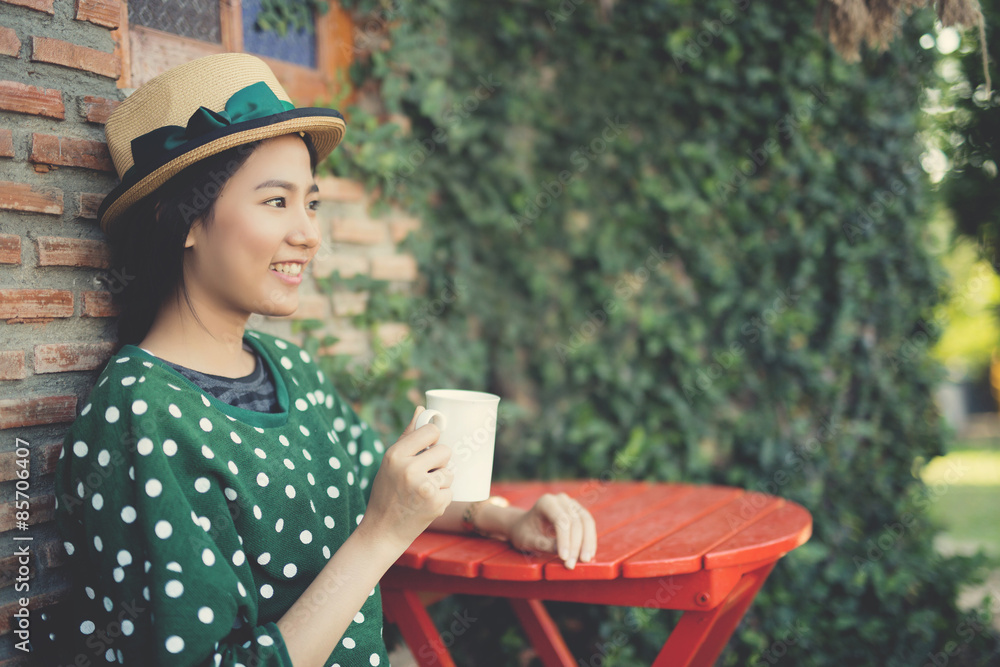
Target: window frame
306, 86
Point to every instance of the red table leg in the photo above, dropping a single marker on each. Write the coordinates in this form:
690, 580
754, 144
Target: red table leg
542, 632
405, 609
700, 636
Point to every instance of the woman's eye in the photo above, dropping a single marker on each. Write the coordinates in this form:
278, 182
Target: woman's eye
278, 202
314, 205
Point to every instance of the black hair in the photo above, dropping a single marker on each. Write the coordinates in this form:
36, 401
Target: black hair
147, 243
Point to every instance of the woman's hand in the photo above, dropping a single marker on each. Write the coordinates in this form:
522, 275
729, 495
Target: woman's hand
557, 524
412, 486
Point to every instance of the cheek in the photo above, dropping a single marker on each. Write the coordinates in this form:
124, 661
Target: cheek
248, 244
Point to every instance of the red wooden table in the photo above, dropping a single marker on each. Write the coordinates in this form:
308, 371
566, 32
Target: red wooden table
703, 549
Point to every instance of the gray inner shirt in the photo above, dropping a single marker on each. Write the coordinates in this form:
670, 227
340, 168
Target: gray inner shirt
252, 392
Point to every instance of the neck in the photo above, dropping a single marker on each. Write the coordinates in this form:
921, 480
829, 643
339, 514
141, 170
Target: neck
213, 345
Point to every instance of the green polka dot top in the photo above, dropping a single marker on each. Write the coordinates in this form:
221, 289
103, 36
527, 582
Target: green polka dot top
191, 526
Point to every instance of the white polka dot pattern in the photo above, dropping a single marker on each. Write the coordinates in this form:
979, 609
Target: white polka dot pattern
265, 503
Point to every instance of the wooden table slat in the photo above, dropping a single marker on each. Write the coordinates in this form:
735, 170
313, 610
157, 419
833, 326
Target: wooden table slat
787, 528
464, 557
624, 541
518, 493
517, 566
684, 550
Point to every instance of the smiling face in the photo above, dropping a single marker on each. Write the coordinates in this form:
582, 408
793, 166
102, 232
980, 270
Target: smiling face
263, 231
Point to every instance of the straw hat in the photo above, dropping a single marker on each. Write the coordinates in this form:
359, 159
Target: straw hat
198, 109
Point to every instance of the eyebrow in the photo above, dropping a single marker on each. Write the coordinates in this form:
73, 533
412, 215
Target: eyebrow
284, 185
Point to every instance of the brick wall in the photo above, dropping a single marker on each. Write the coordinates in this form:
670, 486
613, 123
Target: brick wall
58, 74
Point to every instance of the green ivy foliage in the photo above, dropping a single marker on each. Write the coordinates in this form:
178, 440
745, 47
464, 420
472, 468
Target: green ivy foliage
684, 242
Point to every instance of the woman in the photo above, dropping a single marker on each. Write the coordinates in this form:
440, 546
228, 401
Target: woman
219, 502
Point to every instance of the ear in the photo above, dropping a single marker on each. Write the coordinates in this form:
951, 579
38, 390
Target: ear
193, 232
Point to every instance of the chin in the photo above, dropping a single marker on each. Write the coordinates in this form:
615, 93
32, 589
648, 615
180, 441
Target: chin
278, 304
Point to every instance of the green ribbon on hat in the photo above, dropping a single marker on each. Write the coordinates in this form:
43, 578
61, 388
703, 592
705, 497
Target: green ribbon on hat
255, 101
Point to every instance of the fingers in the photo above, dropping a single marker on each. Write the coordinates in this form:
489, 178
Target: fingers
589, 547
412, 443
413, 420
442, 477
576, 531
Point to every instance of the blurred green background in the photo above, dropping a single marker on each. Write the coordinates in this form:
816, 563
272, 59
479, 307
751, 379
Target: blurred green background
692, 242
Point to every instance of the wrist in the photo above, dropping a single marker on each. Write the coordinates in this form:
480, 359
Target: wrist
492, 518
378, 541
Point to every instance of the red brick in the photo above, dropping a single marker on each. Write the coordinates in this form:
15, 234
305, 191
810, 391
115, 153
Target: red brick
87, 205
311, 307
48, 457
10, 566
349, 303
347, 264
97, 109
58, 52
394, 267
36, 601
22, 412
10, 249
52, 553
9, 466
391, 334
42, 508
66, 152
400, 227
332, 188
60, 357
23, 660
12, 365
98, 303
6, 143
37, 5
364, 232
35, 304
10, 45
102, 12
59, 251
22, 98
349, 341
23, 197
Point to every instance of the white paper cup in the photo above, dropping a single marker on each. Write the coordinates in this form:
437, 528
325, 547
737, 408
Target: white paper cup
468, 424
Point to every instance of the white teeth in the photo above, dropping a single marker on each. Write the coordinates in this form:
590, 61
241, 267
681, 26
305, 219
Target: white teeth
291, 269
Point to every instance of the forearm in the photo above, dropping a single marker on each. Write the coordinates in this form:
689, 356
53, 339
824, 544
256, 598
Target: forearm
490, 518
314, 624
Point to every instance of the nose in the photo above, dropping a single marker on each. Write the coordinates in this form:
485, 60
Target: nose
306, 230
